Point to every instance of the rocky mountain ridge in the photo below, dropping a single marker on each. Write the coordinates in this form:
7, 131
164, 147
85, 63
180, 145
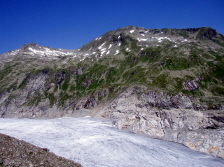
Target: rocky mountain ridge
166, 83
145, 38
37, 51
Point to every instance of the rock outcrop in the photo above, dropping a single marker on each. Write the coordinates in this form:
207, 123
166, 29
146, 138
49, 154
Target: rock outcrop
191, 85
31, 101
168, 117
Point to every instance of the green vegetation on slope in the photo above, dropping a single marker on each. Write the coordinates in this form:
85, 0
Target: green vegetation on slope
163, 67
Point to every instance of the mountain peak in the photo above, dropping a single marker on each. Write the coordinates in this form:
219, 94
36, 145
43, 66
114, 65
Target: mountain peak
207, 32
31, 44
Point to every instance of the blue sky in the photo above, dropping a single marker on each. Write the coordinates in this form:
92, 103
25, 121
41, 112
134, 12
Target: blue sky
69, 24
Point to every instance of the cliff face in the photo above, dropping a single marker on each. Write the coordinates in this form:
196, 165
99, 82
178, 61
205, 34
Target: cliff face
166, 83
168, 117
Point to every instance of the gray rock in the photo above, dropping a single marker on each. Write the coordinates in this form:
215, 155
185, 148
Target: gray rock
191, 85
16, 152
168, 117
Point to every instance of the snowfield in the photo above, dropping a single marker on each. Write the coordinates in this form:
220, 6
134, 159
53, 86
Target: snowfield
93, 142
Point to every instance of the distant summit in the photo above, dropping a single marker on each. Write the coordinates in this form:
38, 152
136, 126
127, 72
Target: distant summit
29, 45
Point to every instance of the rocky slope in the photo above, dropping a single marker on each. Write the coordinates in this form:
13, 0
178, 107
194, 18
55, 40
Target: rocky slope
14, 152
168, 117
164, 83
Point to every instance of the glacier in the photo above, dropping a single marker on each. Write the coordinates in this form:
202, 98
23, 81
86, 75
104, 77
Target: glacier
97, 143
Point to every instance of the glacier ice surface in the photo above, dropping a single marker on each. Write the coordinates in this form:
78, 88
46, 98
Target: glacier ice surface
96, 143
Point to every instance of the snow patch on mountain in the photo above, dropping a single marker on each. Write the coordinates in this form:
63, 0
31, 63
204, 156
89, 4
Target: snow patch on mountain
51, 53
110, 46
128, 50
100, 47
117, 51
142, 39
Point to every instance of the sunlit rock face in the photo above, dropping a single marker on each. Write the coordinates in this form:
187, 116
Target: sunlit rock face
134, 110
96, 143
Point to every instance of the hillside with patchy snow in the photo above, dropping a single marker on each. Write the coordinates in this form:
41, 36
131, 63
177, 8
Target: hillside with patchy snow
174, 78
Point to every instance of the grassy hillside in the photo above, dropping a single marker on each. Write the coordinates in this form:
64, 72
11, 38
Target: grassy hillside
165, 67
